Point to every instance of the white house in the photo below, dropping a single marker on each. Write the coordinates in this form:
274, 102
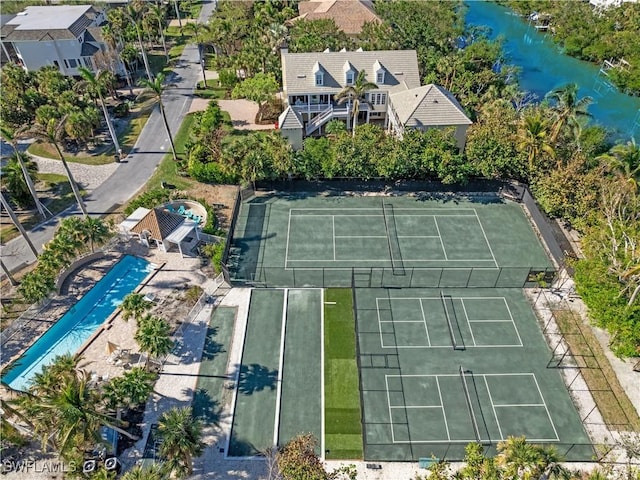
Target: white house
65, 36
311, 82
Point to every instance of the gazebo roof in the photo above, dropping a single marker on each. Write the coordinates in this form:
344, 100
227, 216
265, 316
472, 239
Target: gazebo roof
159, 223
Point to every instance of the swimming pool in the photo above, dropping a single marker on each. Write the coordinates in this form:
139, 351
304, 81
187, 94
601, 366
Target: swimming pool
76, 326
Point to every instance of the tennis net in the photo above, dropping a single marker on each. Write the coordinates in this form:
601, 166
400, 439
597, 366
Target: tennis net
392, 237
454, 328
465, 387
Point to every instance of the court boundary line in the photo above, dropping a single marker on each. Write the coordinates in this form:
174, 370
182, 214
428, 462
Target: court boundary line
322, 386
283, 331
484, 375
485, 238
444, 251
424, 319
287, 260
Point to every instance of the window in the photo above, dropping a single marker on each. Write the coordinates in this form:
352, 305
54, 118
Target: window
380, 77
72, 63
378, 98
66, 64
319, 79
350, 78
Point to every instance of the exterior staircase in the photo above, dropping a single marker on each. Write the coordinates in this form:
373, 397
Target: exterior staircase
324, 117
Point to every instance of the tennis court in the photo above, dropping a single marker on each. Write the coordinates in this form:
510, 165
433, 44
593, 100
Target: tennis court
315, 240
440, 369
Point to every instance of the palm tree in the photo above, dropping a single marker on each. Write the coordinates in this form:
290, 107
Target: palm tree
65, 409
15, 181
134, 305
109, 36
153, 336
155, 88
568, 109
518, 458
356, 94
133, 15
17, 223
156, 13
131, 389
532, 138
151, 472
11, 137
52, 132
181, 436
624, 160
95, 84
95, 231
199, 32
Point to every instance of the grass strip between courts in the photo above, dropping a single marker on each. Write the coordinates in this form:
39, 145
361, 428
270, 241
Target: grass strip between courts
343, 427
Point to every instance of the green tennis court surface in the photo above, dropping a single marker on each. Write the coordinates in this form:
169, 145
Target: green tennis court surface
442, 369
279, 392
383, 241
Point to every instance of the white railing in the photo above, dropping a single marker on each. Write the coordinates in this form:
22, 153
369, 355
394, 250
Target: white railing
324, 117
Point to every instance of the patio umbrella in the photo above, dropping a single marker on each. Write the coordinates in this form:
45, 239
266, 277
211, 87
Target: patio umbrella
111, 347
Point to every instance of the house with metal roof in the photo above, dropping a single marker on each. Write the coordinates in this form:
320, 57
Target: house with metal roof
311, 82
65, 36
348, 15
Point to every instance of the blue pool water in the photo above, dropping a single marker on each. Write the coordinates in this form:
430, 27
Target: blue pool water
545, 67
76, 326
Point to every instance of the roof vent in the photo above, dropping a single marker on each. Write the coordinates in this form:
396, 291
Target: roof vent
301, 76
398, 73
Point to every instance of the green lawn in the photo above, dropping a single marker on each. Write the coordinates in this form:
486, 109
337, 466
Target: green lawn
168, 169
343, 426
211, 91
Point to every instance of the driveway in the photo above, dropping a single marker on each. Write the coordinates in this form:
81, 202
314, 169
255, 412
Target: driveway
243, 114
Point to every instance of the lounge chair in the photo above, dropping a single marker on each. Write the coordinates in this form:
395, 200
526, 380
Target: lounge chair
196, 218
150, 297
171, 209
182, 210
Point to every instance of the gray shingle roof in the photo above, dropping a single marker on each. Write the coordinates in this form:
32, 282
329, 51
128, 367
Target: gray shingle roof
58, 22
289, 120
429, 105
401, 67
88, 50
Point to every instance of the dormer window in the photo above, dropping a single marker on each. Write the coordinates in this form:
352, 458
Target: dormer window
318, 73
379, 71
350, 80
349, 73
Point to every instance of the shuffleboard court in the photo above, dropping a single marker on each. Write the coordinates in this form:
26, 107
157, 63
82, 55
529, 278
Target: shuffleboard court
207, 399
442, 368
256, 397
317, 240
301, 399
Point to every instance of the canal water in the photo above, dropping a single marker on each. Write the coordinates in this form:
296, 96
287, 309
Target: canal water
545, 67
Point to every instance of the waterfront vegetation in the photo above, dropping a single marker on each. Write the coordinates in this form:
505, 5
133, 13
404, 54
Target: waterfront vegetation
593, 34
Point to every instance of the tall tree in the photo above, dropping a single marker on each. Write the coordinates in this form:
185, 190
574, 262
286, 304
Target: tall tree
96, 84
355, 95
134, 305
568, 110
6, 271
153, 336
52, 132
11, 137
532, 139
14, 180
200, 34
156, 88
17, 223
181, 435
157, 14
95, 230
134, 16
624, 161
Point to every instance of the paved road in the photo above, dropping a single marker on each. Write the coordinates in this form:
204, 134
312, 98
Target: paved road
130, 175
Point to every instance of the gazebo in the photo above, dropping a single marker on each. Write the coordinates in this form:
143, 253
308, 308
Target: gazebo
162, 227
